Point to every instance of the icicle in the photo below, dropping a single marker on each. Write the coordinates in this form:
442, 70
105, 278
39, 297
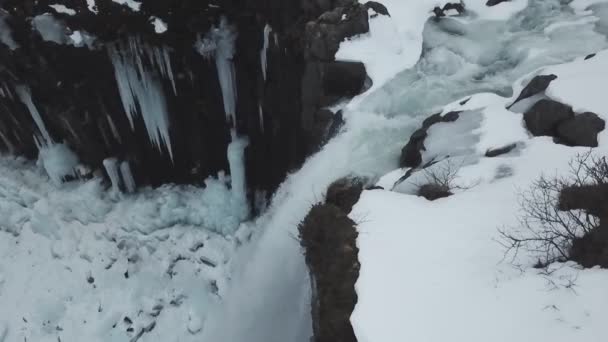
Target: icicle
261, 113
5, 33
9, 145
220, 43
263, 53
127, 176
140, 89
111, 166
113, 128
236, 161
25, 96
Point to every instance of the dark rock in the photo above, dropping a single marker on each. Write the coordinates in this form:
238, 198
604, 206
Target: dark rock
495, 152
344, 193
465, 101
433, 191
440, 12
329, 239
544, 117
591, 198
451, 116
537, 85
431, 120
589, 56
495, 2
581, 130
323, 37
343, 78
377, 7
410, 154
591, 249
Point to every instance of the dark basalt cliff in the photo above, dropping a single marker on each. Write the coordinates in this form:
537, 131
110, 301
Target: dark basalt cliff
279, 109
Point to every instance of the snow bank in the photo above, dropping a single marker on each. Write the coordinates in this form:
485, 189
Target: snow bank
438, 263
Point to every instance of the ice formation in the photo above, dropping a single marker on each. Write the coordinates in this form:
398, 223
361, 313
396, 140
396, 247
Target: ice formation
25, 95
236, 160
111, 166
264, 52
132, 4
63, 9
5, 33
140, 87
58, 161
219, 42
159, 25
50, 29
127, 176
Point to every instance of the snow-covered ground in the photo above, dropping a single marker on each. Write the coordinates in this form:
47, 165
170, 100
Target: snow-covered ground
431, 271
435, 271
81, 263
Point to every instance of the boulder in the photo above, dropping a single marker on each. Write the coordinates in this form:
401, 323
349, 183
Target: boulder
537, 85
589, 56
495, 152
545, 116
377, 7
581, 130
410, 154
344, 193
432, 191
495, 2
343, 78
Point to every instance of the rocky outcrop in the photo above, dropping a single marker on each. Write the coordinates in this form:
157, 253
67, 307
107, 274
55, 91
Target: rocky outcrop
495, 152
544, 117
329, 239
551, 118
411, 155
283, 64
537, 85
591, 249
581, 130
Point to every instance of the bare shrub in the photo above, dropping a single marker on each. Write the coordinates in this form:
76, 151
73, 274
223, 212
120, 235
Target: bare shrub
548, 226
440, 181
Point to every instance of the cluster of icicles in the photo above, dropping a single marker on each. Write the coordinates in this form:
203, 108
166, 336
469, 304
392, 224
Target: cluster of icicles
140, 69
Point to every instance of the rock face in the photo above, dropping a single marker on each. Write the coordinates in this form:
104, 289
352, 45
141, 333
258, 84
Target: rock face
329, 239
544, 117
537, 85
590, 249
582, 130
495, 2
281, 61
551, 118
411, 153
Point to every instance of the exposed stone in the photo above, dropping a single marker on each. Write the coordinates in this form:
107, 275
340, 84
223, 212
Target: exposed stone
581, 130
589, 56
544, 117
329, 239
537, 85
377, 7
495, 152
411, 153
495, 2
433, 191
344, 193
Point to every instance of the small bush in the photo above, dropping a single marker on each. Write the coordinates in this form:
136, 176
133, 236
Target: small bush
560, 216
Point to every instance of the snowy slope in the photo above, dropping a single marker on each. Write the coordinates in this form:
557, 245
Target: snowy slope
434, 271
